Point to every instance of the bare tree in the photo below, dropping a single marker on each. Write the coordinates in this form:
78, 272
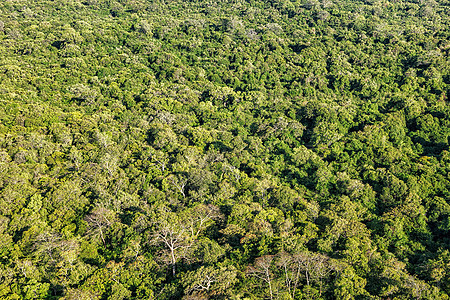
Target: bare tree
210, 280
200, 217
110, 163
291, 272
160, 158
175, 238
171, 232
232, 170
177, 233
314, 266
179, 182
47, 244
99, 221
206, 278
261, 270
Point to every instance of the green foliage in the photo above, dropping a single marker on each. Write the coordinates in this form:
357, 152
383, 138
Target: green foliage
242, 150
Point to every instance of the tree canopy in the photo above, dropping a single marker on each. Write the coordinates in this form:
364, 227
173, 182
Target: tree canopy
224, 149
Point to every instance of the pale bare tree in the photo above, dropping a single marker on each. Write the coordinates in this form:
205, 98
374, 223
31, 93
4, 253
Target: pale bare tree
179, 182
110, 163
210, 279
200, 217
172, 233
314, 266
47, 244
178, 232
160, 158
291, 272
99, 220
261, 270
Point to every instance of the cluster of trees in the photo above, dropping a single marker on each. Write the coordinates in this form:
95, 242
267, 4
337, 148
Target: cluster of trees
225, 150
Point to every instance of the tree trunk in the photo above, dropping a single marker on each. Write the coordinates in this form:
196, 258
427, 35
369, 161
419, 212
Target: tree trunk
173, 262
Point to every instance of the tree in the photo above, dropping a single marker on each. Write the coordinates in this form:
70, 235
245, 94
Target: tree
211, 281
172, 234
261, 270
177, 233
179, 182
291, 272
99, 220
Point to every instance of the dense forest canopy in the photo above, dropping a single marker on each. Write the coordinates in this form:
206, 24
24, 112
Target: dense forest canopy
224, 149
